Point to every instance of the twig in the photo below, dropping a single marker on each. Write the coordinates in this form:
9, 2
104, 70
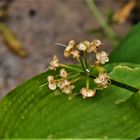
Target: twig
122, 85
110, 33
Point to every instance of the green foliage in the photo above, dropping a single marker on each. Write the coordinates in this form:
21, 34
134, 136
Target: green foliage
129, 48
36, 112
30, 111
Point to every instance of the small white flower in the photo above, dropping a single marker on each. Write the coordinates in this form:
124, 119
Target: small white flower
102, 80
70, 47
87, 92
66, 53
54, 63
65, 86
68, 89
62, 83
72, 42
63, 73
82, 47
65, 83
75, 54
96, 43
94, 46
50, 78
91, 49
87, 43
102, 57
52, 84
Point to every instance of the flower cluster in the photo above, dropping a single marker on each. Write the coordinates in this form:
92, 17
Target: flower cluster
63, 83
83, 52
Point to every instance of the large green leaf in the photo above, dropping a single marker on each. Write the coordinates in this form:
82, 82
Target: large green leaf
129, 48
30, 111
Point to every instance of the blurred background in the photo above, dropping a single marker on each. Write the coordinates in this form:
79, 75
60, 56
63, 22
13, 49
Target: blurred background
29, 30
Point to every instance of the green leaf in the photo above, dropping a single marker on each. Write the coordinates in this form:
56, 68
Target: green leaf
129, 48
31, 111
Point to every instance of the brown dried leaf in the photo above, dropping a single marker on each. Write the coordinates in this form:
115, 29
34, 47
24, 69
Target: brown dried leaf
11, 41
122, 15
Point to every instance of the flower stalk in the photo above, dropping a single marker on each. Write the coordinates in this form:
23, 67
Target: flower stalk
67, 81
121, 85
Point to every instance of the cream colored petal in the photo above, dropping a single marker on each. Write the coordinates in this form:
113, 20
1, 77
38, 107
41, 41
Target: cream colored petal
90, 93
66, 90
75, 54
83, 91
97, 80
82, 47
52, 86
63, 73
96, 42
55, 58
87, 92
66, 54
60, 84
107, 59
72, 42
50, 78
103, 54
98, 56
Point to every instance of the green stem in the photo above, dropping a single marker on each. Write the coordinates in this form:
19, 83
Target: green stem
121, 85
87, 83
43, 85
70, 67
110, 33
77, 79
90, 59
82, 63
73, 76
128, 87
85, 58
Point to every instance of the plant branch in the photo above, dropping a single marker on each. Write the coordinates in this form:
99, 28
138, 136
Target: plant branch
125, 86
70, 67
82, 63
121, 85
85, 58
113, 82
110, 33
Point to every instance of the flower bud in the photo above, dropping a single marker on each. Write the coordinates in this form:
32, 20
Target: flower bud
87, 43
87, 92
96, 43
75, 53
102, 57
72, 42
66, 54
63, 73
82, 47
